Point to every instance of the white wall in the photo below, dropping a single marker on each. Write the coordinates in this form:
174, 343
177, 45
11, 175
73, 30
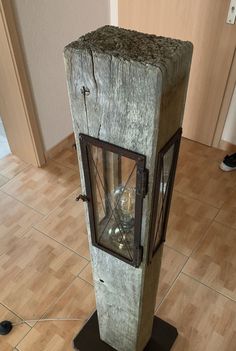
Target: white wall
45, 27
229, 133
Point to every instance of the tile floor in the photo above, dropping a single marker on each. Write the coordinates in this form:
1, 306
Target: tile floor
45, 265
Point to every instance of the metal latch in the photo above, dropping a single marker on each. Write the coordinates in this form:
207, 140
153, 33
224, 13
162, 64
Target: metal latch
232, 12
82, 197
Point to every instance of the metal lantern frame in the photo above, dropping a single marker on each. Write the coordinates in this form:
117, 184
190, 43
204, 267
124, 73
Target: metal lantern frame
159, 223
141, 190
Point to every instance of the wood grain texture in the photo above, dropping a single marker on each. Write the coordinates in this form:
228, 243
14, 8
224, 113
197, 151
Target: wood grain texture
214, 44
171, 266
66, 225
45, 188
227, 213
11, 165
86, 274
200, 178
34, 272
8, 342
14, 222
205, 319
3, 180
188, 222
63, 145
188, 146
214, 263
77, 302
67, 158
129, 75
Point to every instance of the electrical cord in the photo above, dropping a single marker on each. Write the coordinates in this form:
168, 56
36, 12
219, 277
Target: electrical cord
6, 326
49, 320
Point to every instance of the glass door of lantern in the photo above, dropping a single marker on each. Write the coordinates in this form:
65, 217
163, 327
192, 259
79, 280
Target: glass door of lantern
114, 185
164, 178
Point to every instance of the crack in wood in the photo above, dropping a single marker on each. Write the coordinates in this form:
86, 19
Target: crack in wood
93, 73
83, 90
99, 130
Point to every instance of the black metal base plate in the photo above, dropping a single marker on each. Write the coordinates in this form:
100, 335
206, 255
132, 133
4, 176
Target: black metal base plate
162, 339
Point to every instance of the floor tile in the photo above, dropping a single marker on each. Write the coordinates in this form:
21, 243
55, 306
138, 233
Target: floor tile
214, 263
43, 188
188, 221
41, 277
200, 177
3, 180
227, 214
171, 265
8, 342
11, 165
66, 224
35, 272
68, 158
86, 274
77, 302
204, 319
15, 219
189, 146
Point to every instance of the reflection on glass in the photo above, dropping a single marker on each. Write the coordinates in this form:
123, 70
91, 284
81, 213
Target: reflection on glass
165, 180
113, 185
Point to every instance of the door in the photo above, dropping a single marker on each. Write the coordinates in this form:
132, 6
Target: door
16, 107
203, 22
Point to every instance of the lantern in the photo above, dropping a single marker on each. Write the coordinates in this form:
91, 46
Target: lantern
116, 183
127, 93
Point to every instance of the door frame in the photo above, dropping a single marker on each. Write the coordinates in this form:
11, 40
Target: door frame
225, 105
31, 126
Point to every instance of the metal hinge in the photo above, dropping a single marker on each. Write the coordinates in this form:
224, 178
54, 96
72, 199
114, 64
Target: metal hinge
142, 186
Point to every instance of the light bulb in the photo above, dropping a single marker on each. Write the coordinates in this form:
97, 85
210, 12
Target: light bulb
121, 233
125, 206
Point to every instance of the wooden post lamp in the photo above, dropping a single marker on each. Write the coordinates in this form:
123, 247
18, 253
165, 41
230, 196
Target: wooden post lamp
127, 94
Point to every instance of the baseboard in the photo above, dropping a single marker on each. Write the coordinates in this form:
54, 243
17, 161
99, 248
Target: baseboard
225, 145
66, 143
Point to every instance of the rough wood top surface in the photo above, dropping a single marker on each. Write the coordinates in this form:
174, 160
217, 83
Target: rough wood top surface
132, 45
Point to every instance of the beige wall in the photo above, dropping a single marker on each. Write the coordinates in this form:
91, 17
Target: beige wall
45, 27
229, 133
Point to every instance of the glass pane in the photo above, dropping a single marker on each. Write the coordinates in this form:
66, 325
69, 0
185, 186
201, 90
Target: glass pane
165, 178
114, 189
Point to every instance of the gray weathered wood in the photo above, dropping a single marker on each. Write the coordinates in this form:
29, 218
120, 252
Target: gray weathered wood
137, 85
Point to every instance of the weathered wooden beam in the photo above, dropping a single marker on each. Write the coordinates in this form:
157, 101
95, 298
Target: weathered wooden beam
129, 89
